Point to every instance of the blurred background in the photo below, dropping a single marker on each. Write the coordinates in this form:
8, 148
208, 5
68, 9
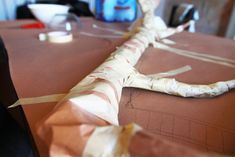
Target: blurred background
216, 17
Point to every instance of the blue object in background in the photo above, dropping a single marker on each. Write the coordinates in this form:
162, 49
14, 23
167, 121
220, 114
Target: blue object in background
116, 10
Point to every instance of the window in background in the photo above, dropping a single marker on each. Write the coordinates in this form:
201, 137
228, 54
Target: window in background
8, 8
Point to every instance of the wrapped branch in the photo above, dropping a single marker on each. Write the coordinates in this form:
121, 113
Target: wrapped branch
173, 87
85, 121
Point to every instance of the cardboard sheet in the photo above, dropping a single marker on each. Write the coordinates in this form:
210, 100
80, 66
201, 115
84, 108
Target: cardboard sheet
207, 124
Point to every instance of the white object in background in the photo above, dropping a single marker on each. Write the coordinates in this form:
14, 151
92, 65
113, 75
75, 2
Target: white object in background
8, 8
42, 36
46, 12
181, 12
192, 27
68, 26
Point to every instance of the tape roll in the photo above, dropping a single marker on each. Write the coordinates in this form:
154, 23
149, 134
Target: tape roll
59, 37
56, 37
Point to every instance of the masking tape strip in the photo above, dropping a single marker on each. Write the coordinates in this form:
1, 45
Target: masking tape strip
172, 72
168, 42
195, 55
58, 97
118, 138
109, 30
213, 57
37, 100
100, 36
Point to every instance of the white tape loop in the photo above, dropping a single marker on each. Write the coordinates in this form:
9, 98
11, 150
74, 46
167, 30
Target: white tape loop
59, 37
56, 37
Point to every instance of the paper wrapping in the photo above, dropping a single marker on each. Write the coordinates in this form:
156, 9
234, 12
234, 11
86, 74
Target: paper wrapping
173, 87
114, 140
85, 121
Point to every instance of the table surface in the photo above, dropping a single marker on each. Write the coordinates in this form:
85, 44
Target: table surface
43, 68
